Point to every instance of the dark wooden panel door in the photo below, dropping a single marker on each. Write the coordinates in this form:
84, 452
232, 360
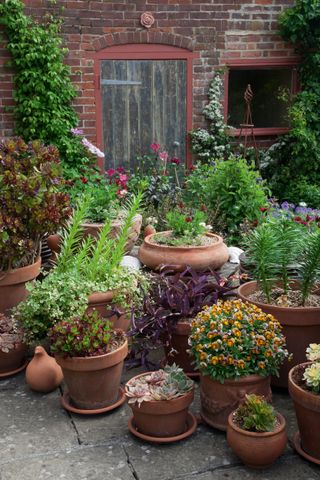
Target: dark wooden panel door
143, 101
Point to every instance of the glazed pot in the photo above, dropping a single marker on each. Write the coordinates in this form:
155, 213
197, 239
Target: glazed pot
93, 382
13, 285
218, 400
162, 418
154, 255
257, 449
12, 360
179, 343
301, 326
307, 407
102, 302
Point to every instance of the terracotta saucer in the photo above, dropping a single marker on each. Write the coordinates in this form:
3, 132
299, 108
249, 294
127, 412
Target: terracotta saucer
67, 405
297, 446
191, 427
13, 372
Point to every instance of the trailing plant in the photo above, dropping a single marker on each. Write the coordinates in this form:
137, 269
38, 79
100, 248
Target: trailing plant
30, 175
166, 384
233, 339
255, 414
212, 143
10, 334
172, 297
311, 375
84, 336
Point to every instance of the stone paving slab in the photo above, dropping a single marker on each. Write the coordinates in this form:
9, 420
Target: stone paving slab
39, 440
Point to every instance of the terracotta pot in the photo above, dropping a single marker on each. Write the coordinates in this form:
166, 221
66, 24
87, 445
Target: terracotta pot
179, 342
301, 326
200, 258
218, 400
43, 374
163, 418
12, 360
13, 285
93, 382
257, 450
307, 407
102, 302
149, 230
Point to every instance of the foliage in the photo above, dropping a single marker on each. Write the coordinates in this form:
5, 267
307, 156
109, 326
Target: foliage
214, 142
172, 297
300, 214
295, 160
256, 415
233, 339
310, 264
166, 384
32, 206
84, 336
10, 335
312, 373
235, 191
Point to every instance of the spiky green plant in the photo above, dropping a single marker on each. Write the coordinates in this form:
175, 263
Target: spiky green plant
256, 415
309, 272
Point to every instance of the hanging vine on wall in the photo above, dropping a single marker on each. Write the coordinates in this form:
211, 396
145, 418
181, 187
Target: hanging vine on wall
293, 164
43, 91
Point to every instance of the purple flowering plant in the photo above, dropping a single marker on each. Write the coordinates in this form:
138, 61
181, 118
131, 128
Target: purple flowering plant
300, 214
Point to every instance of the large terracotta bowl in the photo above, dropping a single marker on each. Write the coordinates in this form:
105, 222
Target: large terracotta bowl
154, 255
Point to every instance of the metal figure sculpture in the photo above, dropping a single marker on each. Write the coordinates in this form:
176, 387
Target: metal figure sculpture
247, 127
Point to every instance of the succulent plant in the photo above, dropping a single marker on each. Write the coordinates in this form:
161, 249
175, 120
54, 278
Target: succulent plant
10, 334
256, 415
164, 384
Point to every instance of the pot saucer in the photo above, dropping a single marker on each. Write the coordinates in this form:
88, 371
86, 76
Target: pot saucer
13, 372
297, 446
67, 405
191, 427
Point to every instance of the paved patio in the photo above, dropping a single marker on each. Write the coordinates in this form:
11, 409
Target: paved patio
39, 440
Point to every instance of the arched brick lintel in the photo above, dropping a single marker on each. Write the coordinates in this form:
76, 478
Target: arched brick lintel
162, 38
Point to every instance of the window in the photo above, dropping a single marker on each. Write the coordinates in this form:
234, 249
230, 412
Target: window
268, 82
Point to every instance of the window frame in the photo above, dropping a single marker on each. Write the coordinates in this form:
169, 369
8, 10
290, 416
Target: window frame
260, 64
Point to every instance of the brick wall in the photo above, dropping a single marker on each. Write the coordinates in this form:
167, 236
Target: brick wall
219, 30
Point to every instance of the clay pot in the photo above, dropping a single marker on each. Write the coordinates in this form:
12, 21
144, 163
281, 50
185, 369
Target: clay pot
301, 326
179, 342
148, 230
162, 418
307, 407
12, 360
43, 374
257, 449
13, 285
218, 400
102, 302
93, 382
200, 258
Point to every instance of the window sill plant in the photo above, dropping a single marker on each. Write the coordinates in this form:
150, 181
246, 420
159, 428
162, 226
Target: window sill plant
160, 401
91, 356
273, 246
12, 348
236, 348
30, 175
187, 243
256, 432
304, 389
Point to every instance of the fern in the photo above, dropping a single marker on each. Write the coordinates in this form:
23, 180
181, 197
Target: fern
310, 266
100, 253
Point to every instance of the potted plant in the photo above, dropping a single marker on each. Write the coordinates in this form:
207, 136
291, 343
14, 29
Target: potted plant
304, 389
12, 347
272, 247
236, 347
256, 432
160, 402
30, 175
87, 275
187, 243
171, 304
91, 354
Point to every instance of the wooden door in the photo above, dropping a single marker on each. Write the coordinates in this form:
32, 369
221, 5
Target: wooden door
143, 101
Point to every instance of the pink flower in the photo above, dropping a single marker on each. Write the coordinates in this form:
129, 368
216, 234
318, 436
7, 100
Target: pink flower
175, 160
76, 131
122, 193
120, 170
163, 156
94, 150
110, 172
123, 177
155, 146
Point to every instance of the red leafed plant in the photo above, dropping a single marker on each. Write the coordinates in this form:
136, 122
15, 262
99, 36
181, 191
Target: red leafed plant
31, 203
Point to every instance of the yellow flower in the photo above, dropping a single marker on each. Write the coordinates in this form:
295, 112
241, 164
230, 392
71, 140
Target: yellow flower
214, 360
261, 365
203, 355
230, 342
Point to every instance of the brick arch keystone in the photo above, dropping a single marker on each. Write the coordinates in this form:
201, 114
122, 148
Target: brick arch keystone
164, 38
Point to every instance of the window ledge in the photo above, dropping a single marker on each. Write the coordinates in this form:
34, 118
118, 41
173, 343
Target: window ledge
259, 132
